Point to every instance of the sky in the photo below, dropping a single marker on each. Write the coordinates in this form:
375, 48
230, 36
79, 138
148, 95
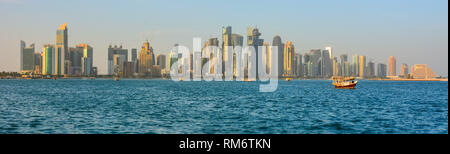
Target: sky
414, 31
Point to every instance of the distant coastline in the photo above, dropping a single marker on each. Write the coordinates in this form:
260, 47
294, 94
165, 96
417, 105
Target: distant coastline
165, 78
446, 79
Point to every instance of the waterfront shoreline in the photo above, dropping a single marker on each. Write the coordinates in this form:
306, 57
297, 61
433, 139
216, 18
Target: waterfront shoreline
305, 79
446, 80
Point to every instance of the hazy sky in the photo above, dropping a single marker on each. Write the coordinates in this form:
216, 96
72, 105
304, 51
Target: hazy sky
415, 31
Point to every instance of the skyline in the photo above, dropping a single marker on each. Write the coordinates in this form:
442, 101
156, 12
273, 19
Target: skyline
424, 35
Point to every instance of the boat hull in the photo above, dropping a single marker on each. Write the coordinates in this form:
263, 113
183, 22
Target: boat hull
350, 86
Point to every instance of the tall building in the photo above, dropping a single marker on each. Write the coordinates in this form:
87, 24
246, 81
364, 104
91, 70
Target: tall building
355, 66
27, 58
336, 67
299, 65
253, 39
210, 51
226, 42
326, 64
392, 66
404, 70
113, 51
37, 63
289, 53
87, 59
146, 59
75, 55
134, 54
48, 59
61, 50
422, 71
267, 54
371, 69
118, 64
161, 61
381, 70
362, 66
236, 40
314, 68
330, 51
277, 42
22, 46
344, 69
128, 68
134, 58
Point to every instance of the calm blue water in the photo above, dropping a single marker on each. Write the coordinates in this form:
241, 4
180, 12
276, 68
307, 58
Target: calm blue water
163, 106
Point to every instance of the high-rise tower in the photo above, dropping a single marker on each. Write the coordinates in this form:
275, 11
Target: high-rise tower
146, 59
278, 43
392, 66
289, 59
61, 50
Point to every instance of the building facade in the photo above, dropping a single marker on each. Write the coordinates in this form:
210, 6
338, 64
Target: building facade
392, 65
61, 49
27, 64
381, 70
87, 59
48, 59
289, 53
146, 59
277, 42
362, 66
404, 70
115, 51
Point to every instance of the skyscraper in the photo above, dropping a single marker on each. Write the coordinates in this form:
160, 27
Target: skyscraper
344, 69
299, 65
392, 66
371, 69
226, 42
118, 64
404, 70
128, 68
330, 51
37, 63
326, 64
267, 54
355, 66
75, 55
289, 53
133, 54
27, 58
315, 63
61, 50
336, 66
134, 58
253, 39
236, 40
381, 70
362, 66
87, 59
146, 59
161, 61
278, 43
47, 59
113, 51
